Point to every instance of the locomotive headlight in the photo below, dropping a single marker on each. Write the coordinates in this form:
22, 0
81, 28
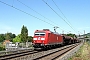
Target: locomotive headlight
34, 38
42, 38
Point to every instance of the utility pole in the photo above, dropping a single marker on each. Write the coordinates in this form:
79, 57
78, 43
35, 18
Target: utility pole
55, 27
84, 36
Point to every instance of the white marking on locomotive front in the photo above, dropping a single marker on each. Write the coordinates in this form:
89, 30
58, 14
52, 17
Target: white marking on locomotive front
38, 38
34, 38
42, 38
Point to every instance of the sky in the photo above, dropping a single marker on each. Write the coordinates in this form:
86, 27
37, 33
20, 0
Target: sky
71, 16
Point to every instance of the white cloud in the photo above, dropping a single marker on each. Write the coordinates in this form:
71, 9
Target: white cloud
83, 28
6, 28
87, 27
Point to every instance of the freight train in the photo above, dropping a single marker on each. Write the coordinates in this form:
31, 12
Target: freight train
48, 39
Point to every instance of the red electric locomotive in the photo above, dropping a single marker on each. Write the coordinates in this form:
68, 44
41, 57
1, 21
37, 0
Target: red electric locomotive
45, 38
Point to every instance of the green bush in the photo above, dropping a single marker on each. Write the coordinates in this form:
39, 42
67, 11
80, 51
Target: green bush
2, 48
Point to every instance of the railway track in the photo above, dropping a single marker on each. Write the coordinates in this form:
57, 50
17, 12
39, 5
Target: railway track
56, 54
16, 54
13, 51
39, 55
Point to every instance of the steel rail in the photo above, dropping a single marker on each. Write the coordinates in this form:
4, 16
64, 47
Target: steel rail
56, 54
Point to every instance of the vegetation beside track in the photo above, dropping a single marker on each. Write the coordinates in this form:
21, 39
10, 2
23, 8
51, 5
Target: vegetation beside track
83, 53
2, 47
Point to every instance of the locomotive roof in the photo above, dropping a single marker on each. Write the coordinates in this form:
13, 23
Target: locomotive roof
55, 33
47, 30
41, 30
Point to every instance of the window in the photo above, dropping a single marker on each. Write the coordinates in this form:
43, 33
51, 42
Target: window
39, 33
36, 34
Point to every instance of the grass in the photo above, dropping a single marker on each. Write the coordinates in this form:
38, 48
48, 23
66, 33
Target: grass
83, 53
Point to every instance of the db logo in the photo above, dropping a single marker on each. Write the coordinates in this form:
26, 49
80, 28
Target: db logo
38, 38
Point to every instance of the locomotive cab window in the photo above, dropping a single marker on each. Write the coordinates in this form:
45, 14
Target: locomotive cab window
39, 33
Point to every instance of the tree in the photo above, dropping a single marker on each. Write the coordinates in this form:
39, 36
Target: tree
13, 35
30, 38
86, 37
24, 33
9, 36
2, 37
17, 39
72, 35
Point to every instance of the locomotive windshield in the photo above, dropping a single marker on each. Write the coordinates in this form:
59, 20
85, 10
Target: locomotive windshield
39, 33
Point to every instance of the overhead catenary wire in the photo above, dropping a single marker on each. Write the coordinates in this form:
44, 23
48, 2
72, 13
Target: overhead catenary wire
26, 13
38, 13
35, 11
57, 14
62, 13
